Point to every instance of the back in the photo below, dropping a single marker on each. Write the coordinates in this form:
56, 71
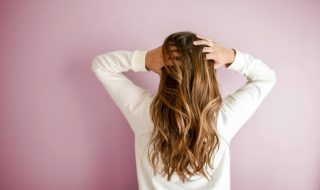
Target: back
236, 109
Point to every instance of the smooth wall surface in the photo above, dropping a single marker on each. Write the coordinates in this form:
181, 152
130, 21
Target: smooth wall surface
59, 129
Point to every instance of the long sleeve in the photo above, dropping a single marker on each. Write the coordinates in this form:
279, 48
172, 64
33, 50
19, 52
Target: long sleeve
239, 106
130, 98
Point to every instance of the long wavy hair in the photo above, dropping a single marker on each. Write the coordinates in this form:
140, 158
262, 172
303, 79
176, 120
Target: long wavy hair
184, 110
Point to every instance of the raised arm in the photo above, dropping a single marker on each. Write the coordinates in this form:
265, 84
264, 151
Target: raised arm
239, 106
129, 97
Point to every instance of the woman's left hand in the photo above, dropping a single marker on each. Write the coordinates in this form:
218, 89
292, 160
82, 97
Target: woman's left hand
154, 59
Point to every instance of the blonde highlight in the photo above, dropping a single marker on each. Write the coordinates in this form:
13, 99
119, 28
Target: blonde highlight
184, 111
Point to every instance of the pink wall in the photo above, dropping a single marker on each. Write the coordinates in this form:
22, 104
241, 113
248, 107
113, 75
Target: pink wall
59, 129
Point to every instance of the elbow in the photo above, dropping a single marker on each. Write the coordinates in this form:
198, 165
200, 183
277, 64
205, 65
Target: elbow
95, 64
274, 77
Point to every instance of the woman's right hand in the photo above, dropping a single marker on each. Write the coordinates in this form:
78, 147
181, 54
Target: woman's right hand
216, 52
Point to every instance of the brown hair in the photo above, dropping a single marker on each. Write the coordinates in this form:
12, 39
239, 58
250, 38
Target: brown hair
184, 110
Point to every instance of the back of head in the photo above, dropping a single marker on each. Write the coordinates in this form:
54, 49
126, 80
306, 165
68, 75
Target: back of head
184, 110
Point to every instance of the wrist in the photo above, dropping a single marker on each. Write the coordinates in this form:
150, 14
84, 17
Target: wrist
147, 61
232, 56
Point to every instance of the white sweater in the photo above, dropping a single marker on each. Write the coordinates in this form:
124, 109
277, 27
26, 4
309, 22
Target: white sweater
134, 102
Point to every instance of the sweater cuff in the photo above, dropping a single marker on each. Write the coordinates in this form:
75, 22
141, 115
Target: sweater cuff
139, 61
238, 62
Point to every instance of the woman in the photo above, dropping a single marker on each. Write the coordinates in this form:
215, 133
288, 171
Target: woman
183, 133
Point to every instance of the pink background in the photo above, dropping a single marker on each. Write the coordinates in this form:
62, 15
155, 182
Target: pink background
59, 129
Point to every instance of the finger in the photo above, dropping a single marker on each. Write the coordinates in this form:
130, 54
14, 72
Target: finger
209, 56
173, 48
175, 54
208, 49
203, 42
203, 37
174, 61
208, 39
